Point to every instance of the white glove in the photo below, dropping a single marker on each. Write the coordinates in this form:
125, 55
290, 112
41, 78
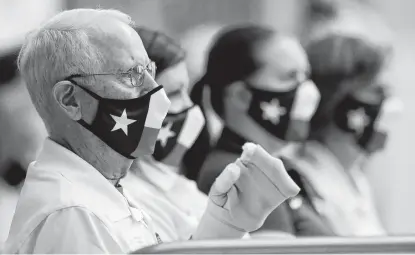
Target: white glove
245, 194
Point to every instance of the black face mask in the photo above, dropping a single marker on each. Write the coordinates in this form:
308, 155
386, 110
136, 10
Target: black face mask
286, 115
130, 127
359, 118
271, 110
177, 135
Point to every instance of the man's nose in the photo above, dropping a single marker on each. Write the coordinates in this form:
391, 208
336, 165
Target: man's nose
149, 81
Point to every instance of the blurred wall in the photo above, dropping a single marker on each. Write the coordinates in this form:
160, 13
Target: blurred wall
143, 12
285, 16
175, 16
393, 172
20, 16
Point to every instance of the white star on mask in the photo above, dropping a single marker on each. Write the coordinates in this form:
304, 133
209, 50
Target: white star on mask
165, 133
272, 111
357, 120
122, 122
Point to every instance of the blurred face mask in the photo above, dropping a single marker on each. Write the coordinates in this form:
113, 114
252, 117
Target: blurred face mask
369, 123
177, 135
285, 115
130, 127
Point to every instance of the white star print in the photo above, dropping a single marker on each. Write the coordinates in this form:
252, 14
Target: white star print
122, 122
272, 111
358, 120
165, 133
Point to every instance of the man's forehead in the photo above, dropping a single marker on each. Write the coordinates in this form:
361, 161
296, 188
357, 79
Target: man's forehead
121, 46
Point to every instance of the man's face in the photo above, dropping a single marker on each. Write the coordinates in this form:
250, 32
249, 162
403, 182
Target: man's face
123, 49
175, 81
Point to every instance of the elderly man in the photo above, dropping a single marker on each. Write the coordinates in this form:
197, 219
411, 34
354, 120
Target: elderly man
92, 83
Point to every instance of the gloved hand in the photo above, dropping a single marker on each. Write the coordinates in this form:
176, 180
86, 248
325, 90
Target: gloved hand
245, 194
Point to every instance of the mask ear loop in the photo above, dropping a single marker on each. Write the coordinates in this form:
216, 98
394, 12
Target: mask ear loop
92, 94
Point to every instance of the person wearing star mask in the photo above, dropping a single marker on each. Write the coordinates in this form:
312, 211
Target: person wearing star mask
155, 181
259, 86
92, 83
351, 70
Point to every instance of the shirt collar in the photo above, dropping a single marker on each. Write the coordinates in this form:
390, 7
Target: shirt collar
84, 178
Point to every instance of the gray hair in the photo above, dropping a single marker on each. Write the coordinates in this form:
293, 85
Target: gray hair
61, 47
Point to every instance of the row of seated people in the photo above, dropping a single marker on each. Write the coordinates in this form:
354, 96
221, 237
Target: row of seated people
322, 115
322, 110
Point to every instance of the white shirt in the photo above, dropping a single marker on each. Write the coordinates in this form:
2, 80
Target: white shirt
173, 201
8, 201
67, 206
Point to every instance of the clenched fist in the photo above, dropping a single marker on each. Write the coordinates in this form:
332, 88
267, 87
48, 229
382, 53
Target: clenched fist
246, 192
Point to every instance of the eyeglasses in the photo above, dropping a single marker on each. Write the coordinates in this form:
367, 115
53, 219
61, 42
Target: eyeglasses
135, 74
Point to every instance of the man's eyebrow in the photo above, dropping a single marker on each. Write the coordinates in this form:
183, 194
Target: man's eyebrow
125, 70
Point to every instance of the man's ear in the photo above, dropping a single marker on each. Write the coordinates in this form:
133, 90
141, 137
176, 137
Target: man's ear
239, 94
64, 94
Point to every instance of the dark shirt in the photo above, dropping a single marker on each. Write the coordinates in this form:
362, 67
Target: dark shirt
196, 155
295, 216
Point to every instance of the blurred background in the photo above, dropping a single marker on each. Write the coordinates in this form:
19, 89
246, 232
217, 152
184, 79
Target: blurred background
194, 22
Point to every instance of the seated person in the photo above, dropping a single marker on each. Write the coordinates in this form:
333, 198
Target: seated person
155, 181
259, 86
350, 124
196, 42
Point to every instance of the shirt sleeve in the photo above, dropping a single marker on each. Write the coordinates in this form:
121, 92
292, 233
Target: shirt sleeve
73, 230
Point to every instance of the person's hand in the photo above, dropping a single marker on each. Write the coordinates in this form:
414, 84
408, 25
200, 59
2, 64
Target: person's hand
246, 192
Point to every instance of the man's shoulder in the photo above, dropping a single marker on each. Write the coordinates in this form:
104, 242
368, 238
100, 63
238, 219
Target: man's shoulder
57, 230
51, 189
47, 193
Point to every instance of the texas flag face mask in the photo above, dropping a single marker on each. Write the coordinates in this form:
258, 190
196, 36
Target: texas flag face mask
177, 135
130, 127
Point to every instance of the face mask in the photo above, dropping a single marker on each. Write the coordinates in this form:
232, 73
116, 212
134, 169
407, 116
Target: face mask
369, 123
285, 115
130, 127
177, 135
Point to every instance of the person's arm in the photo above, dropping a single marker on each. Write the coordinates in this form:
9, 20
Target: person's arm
245, 194
72, 230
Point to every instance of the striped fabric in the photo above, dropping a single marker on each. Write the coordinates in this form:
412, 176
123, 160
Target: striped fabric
184, 133
304, 106
158, 108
